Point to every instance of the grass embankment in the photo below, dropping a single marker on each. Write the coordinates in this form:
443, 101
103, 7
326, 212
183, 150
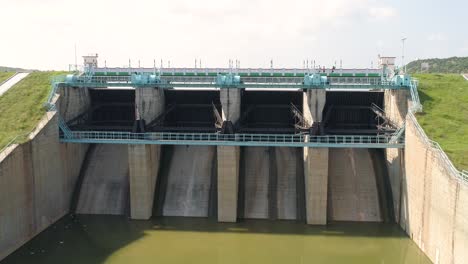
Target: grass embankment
5, 75
445, 114
21, 107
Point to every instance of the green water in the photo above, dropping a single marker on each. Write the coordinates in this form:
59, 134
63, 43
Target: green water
116, 240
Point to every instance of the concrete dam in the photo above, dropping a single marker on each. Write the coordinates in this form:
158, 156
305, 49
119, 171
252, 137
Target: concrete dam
229, 144
270, 180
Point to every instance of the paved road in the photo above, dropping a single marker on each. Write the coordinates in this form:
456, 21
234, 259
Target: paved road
12, 81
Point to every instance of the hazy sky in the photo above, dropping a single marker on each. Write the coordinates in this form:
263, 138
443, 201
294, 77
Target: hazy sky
41, 34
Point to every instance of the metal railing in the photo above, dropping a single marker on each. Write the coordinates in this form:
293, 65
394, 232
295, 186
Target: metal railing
18, 139
416, 103
209, 81
243, 70
290, 140
463, 174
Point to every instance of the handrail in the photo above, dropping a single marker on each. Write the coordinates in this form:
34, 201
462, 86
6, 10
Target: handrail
463, 174
232, 139
14, 140
279, 82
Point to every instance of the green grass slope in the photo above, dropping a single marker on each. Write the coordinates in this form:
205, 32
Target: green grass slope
5, 75
445, 114
22, 106
448, 65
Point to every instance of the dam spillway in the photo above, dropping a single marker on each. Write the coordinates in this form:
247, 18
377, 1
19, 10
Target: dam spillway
353, 194
233, 152
189, 182
105, 186
270, 183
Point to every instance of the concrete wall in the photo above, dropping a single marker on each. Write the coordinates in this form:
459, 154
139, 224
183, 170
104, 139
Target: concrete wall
35, 184
396, 105
396, 108
434, 207
395, 160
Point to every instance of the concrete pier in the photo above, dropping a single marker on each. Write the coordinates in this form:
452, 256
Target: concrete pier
315, 162
144, 159
149, 103
228, 160
396, 107
313, 104
231, 104
228, 183
316, 185
143, 168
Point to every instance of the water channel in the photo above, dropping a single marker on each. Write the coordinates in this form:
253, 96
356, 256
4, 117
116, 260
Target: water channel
117, 240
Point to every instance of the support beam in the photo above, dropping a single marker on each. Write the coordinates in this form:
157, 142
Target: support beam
143, 167
228, 183
316, 185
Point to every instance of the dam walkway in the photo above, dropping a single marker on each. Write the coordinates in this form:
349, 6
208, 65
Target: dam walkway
5, 86
213, 139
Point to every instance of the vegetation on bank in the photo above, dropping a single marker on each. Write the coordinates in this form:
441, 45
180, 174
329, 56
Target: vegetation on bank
21, 107
448, 65
5, 75
445, 113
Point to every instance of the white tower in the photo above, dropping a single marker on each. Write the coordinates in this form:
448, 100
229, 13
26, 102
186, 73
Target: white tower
90, 61
388, 65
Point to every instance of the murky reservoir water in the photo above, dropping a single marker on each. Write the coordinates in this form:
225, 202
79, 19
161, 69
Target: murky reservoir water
116, 240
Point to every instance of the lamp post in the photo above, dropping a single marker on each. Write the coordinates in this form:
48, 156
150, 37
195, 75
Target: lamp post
403, 54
